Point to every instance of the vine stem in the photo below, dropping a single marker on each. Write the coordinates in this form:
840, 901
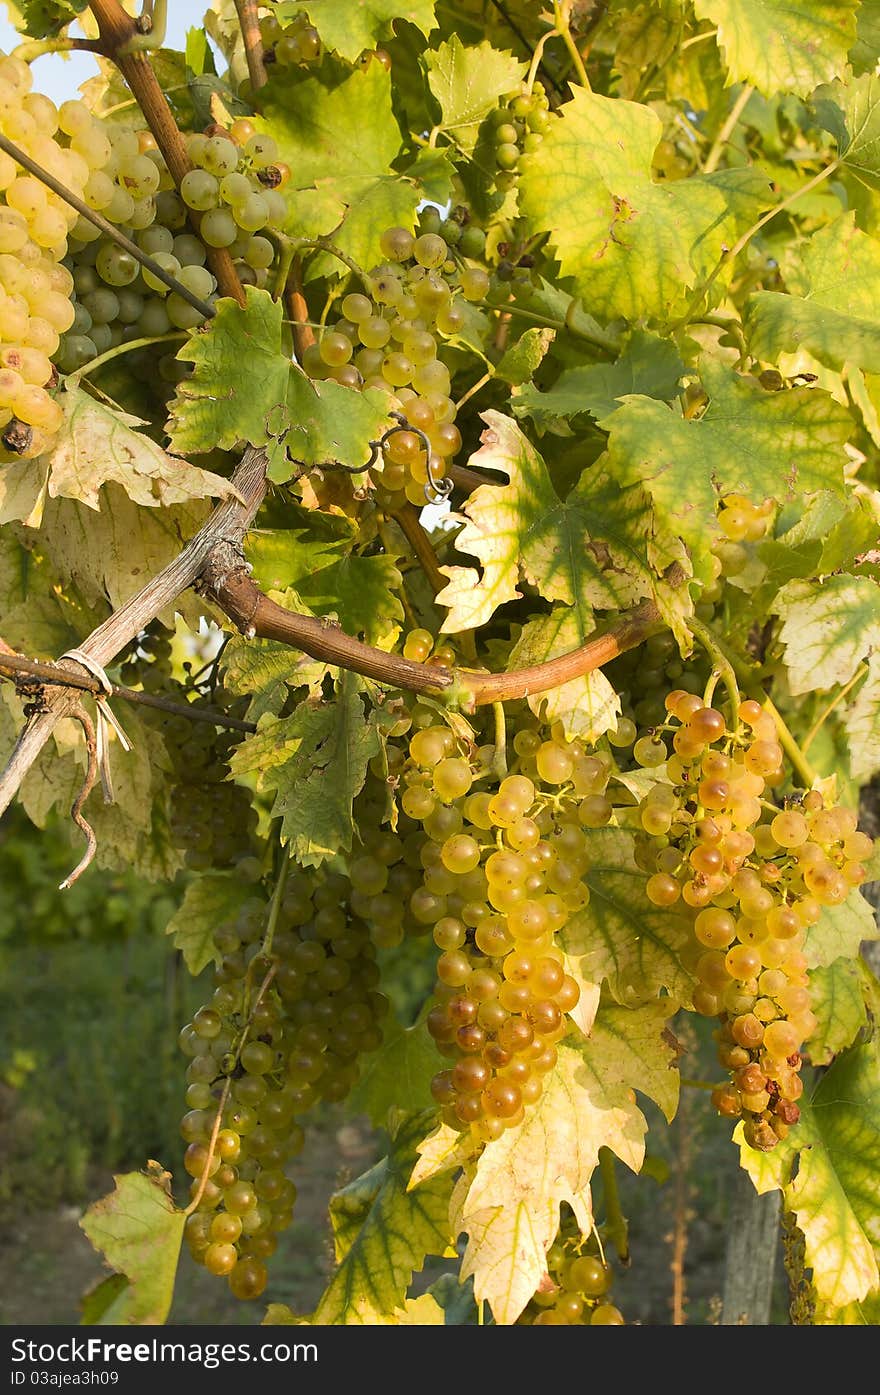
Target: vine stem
499, 760
409, 523
12, 663
108, 228
127, 348
277, 898
720, 660
31, 50
727, 130
118, 31
249, 25
742, 242
616, 1225
834, 703
561, 11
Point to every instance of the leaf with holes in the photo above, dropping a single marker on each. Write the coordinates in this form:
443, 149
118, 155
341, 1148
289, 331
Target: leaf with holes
138, 1230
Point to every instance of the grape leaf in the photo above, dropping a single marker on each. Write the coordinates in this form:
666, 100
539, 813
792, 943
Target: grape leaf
361, 592
765, 445
588, 549
827, 629
835, 317
782, 45
211, 902
96, 446
830, 533
268, 671
383, 1233
863, 54
587, 706
315, 762
648, 366
510, 1209
351, 27
138, 1230
23, 491
839, 931
861, 722
519, 362
837, 999
43, 19
628, 242
397, 1075
851, 113
467, 82
835, 1195
309, 422
619, 934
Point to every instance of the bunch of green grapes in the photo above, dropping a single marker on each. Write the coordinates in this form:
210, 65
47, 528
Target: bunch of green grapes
390, 338
289, 45
517, 127
502, 873
752, 879
262, 1059
35, 224
579, 1291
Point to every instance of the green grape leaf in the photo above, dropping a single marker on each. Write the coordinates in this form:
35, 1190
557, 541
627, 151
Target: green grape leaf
648, 367
467, 82
588, 549
619, 935
826, 522
389, 201
837, 999
836, 316
839, 931
861, 722
220, 405
828, 628
309, 422
383, 1233
629, 243
138, 1230
211, 902
43, 19
510, 1208
765, 445
315, 762
587, 706
835, 1194
519, 362
355, 25
283, 557
851, 113
361, 592
97, 446
782, 45
268, 671
863, 54
398, 1075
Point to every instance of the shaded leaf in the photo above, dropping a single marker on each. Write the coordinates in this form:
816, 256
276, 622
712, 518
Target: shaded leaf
837, 999
619, 935
350, 28
648, 366
835, 1195
851, 112
398, 1075
383, 1233
211, 902
861, 722
138, 1230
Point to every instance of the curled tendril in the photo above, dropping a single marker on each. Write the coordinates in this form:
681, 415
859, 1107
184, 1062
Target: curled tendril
437, 488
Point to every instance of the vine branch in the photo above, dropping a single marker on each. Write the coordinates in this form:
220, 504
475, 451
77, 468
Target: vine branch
249, 25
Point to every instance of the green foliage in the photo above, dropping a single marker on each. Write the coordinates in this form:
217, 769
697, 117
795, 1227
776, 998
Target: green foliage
138, 1229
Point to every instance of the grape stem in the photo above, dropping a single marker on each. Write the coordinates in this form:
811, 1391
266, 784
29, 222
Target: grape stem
249, 24
12, 663
32, 49
409, 523
720, 661
616, 1227
101, 359
515, 29
834, 703
499, 759
711, 162
105, 226
561, 13
277, 898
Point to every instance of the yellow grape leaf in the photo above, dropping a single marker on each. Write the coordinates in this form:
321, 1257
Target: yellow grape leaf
827, 1170
97, 445
138, 1229
444, 1150
509, 1206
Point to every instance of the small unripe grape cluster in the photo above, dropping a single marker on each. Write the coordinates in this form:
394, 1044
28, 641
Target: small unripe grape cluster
503, 866
263, 1059
35, 224
289, 45
387, 338
579, 1292
755, 880
517, 127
